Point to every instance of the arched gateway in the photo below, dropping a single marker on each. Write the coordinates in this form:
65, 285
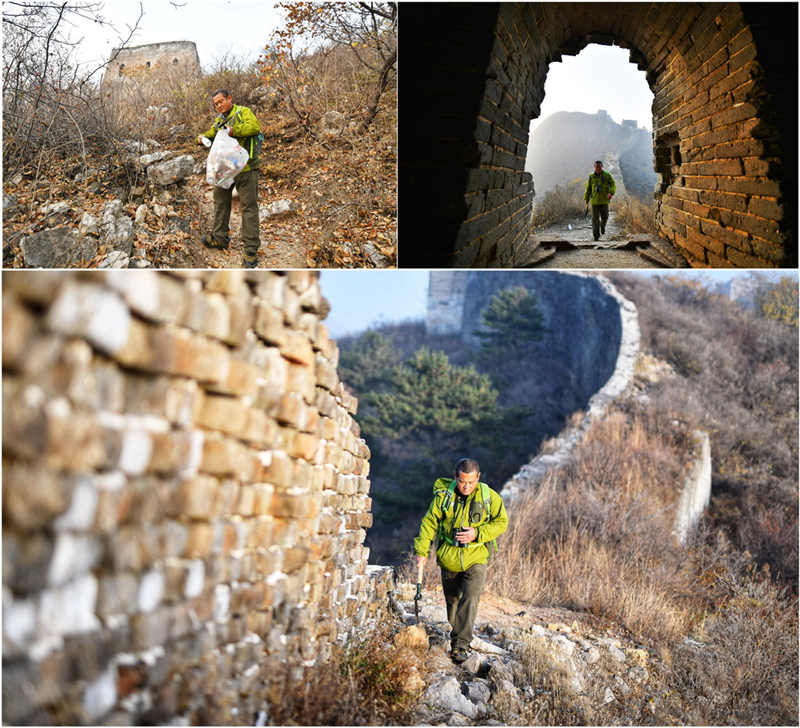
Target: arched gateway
724, 79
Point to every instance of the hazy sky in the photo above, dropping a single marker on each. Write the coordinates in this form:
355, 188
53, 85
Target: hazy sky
599, 77
362, 298
216, 26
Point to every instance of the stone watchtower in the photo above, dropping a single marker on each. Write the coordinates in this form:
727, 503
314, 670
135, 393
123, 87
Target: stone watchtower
143, 66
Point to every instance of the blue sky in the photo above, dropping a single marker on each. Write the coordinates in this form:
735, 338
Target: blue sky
362, 298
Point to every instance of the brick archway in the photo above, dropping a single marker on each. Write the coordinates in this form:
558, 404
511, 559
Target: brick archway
724, 124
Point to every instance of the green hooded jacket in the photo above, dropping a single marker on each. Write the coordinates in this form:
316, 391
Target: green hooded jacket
598, 187
461, 514
245, 128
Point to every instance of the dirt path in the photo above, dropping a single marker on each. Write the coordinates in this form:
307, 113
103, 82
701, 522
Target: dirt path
279, 247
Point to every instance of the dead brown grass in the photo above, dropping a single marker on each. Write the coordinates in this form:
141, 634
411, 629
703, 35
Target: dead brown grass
596, 536
370, 683
634, 215
561, 202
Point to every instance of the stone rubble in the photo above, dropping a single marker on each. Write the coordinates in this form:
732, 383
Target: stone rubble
597, 666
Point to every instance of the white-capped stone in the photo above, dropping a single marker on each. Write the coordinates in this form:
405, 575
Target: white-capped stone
82, 508
151, 590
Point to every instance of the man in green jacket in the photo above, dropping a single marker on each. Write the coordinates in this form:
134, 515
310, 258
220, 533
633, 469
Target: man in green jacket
242, 124
599, 190
467, 516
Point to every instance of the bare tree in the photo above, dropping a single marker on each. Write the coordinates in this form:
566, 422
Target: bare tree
314, 36
46, 98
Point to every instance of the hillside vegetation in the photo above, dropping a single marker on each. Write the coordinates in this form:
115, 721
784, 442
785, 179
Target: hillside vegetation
717, 616
324, 92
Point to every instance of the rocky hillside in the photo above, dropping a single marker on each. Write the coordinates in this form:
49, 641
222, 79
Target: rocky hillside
564, 146
148, 206
521, 656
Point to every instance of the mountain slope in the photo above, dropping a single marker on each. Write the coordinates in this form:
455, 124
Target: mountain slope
564, 146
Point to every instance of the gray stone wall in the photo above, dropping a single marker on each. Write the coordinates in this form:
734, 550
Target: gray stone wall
185, 495
147, 65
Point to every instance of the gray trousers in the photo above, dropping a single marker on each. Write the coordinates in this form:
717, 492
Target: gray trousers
247, 185
462, 592
599, 217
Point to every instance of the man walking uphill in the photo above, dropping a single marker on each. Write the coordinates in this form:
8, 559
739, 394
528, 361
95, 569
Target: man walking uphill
599, 190
242, 125
467, 516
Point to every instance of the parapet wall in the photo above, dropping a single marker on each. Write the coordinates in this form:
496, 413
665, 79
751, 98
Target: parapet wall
185, 495
531, 474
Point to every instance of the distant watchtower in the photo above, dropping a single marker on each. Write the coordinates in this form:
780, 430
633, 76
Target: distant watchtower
145, 66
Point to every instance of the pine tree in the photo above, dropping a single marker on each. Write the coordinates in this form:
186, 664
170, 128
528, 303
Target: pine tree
511, 322
430, 400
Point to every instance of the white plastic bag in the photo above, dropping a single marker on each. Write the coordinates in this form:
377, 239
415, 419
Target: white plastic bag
225, 160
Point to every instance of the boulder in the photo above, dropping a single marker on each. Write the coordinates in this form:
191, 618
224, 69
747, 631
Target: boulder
472, 664
445, 695
89, 225
141, 214
56, 211
279, 207
172, 171
117, 227
58, 247
115, 259
145, 160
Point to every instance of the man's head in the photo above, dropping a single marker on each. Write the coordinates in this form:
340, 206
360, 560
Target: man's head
222, 100
467, 474
598, 167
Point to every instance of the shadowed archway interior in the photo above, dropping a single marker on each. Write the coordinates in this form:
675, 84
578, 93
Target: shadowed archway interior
724, 124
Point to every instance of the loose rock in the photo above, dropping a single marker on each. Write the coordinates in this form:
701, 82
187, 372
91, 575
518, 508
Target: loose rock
57, 248
172, 171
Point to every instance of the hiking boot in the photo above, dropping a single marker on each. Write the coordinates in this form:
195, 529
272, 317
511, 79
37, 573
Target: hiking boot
250, 262
459, 655
209, 242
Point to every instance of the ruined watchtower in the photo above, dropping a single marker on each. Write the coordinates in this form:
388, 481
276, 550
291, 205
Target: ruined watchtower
140, 67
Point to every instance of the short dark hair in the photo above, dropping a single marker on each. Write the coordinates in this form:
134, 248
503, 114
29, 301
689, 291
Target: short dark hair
467, 465
597, 161
222, 91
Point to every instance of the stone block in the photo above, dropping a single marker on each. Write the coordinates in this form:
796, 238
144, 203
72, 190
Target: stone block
269, 324
297, 348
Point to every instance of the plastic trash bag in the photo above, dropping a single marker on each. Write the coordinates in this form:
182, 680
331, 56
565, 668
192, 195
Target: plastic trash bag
225, 160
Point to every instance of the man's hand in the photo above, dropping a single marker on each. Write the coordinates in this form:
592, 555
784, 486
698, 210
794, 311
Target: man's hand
610, 195
466, 536
421, 561
230, 133
200, 139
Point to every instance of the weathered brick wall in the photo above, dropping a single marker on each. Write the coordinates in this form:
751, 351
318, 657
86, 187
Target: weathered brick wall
185, 495
151, 64
724, 117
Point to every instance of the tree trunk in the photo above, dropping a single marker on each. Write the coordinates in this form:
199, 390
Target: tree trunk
380, 87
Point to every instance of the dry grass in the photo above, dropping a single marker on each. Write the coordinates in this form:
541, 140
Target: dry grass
602, 538
559, 203
365, 685
633, 215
